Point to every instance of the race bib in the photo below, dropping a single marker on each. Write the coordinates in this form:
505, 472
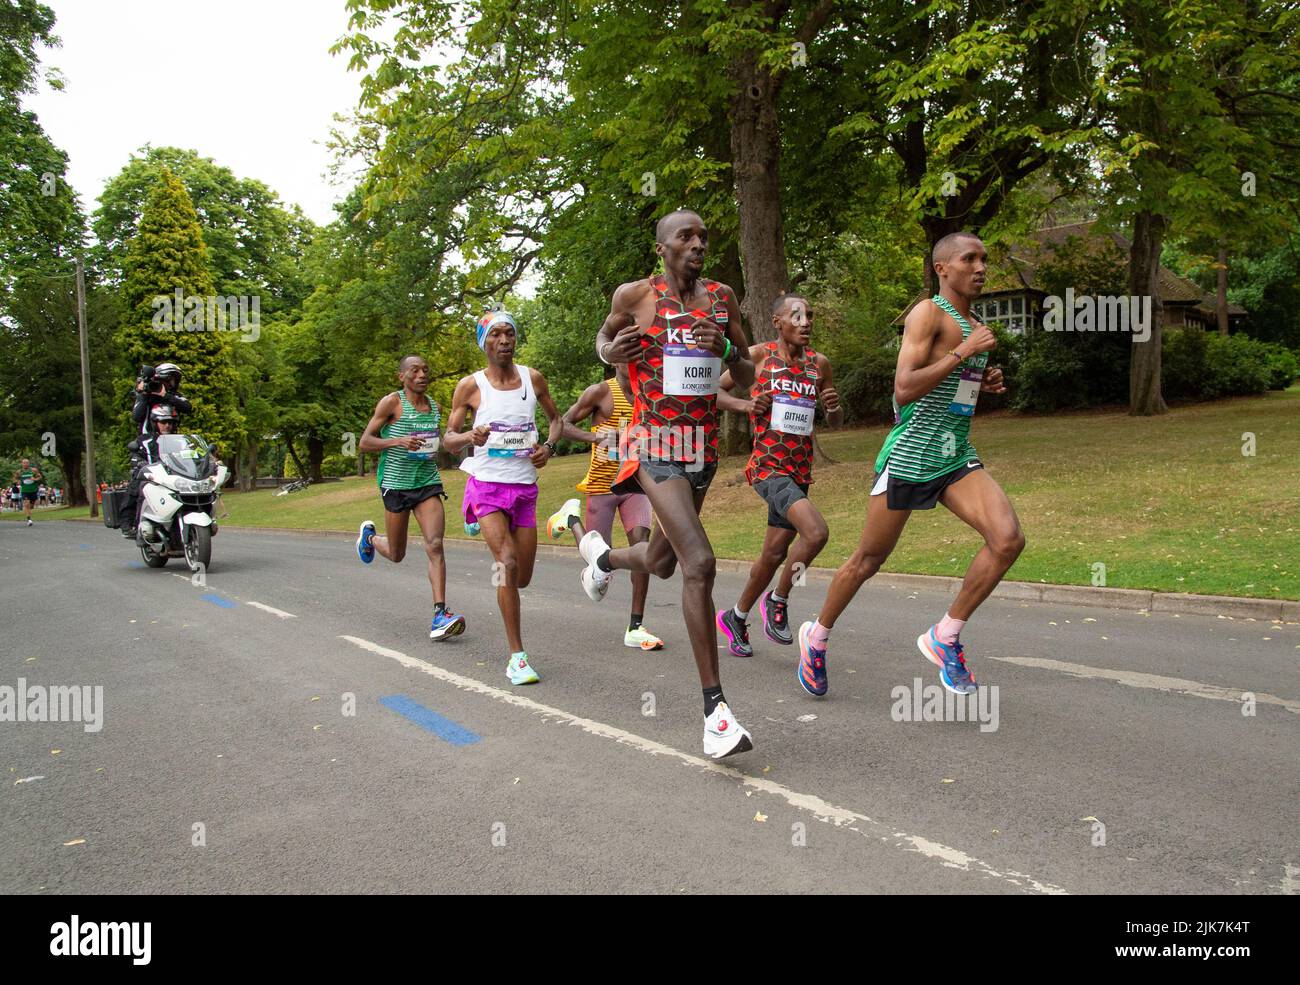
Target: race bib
690, 372
429, 442
968, 387
792, 415
511, 440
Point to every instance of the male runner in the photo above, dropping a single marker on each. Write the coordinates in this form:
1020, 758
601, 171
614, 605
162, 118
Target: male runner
674, 332
791, 379
611, 414
404, 429
501, 493
928, 458
29, 479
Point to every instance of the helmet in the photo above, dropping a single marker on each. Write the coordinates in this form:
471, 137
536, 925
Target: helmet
163, 412
169, 374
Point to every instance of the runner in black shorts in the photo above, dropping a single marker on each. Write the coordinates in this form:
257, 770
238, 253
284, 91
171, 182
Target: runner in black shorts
405, 430
791, 378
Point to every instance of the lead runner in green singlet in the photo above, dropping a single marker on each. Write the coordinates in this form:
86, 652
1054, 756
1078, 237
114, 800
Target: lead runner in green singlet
928, 458
406, 431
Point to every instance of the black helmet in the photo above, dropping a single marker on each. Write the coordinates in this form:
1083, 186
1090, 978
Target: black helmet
169, 374
163, 412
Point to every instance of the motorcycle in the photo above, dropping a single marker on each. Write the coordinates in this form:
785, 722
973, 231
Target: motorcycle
178, 502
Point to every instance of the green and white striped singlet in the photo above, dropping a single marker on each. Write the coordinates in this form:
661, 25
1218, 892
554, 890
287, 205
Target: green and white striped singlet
402, 469
929, 439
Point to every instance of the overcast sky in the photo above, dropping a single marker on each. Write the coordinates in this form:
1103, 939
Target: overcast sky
249, 83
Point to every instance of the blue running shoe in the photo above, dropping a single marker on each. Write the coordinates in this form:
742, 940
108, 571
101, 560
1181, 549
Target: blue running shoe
951, 660
472, 529
365, 549
445, 625
812, 664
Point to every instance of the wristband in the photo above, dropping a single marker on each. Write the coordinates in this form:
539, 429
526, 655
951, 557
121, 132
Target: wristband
549, 446
600, 352
960, 358
732, 353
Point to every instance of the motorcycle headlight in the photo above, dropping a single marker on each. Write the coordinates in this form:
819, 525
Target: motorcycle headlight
194, 487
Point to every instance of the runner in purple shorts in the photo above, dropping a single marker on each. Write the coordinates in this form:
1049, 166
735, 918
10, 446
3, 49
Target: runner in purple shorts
501, 493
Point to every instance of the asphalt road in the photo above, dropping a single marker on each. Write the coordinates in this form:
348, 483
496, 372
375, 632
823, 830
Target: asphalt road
227, 761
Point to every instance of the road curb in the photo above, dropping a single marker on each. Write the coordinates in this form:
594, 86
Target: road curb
1134, 600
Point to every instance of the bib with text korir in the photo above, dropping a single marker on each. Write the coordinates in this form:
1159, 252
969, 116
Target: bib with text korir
430, 440
511, 440
690, 371
972, 371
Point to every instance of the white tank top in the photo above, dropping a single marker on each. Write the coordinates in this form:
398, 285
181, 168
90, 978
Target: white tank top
512, 417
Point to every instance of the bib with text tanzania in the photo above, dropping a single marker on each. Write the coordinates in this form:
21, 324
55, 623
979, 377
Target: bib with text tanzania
429, 442
793, 415
511, 440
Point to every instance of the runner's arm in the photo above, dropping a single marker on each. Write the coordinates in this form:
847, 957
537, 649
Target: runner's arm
583, 407
553, 417
728, 401
829, 395
385, 413
618, 340
915, 375
455, 440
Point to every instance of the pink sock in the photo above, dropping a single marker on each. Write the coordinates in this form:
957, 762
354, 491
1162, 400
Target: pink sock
819, 636
949, 629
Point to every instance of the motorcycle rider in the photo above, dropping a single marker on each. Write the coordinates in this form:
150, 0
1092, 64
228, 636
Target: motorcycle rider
157, 388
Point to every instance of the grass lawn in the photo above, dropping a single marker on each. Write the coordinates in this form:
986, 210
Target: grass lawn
1167, 503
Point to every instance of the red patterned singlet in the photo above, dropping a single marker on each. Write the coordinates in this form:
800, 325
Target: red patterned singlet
675, 384
783, 437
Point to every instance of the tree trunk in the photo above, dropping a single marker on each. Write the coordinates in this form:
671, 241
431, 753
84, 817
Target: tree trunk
293, 453
1145, 397
756, 163
1222, 296
315, 456
75, 485
361, 465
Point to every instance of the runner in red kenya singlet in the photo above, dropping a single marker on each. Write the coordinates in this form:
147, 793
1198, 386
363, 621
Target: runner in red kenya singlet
675, 333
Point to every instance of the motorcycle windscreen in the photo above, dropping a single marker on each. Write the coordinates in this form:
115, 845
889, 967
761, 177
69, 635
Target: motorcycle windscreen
185, 455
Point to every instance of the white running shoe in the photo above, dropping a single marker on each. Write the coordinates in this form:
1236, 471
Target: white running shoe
558, 525
723, 735
594, 581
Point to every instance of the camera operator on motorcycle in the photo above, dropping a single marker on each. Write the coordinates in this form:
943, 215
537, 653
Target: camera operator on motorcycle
156, 389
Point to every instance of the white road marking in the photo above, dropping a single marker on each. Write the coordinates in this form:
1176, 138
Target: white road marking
1290, 884
266, 608
1155, 682
823, 811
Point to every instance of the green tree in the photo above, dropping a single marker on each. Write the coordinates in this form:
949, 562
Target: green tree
167, 255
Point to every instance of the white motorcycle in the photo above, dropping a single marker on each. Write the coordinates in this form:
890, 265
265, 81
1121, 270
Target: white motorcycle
179, 502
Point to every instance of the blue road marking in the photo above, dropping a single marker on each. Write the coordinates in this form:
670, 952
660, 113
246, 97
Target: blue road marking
443, 728
218, 600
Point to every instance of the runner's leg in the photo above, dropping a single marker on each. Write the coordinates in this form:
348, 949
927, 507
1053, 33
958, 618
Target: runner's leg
776, 542
813, 534
432, 519
495, 527
392, 542
880, 534
979, 501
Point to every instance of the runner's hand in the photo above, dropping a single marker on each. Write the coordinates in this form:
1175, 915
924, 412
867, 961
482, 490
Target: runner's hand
981, 339
540, 456
410, 442
830, 399
993, 381
709, 336
762, 404
626, 345
480, 435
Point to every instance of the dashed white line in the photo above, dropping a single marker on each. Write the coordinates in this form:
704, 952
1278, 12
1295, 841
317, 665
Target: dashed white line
823, 811
271, 609
1155, 682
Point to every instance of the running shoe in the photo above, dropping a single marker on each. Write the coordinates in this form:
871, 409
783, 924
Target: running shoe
639, 639
445, 625
365, 549
558, 525
951, 660
520, 671
723, 735
776, 621
472, 529
594, 581
736, 631
29, 521
812, 663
